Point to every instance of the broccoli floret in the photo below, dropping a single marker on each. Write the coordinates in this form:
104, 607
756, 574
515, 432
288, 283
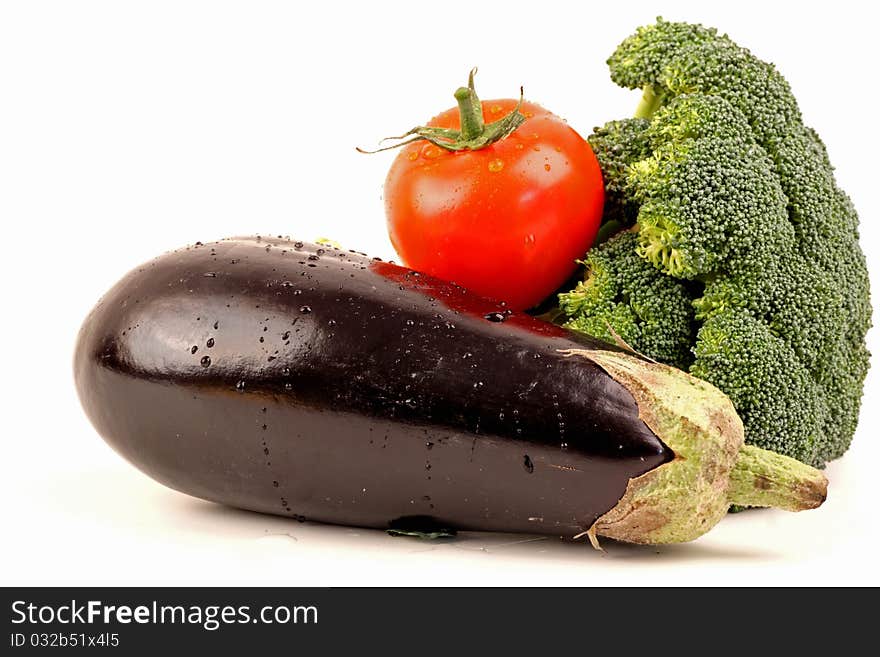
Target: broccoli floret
710, 198
694, 116
798, 301
781, 406
668, 59
618, 144
622, 293
640, 59
738, 210
843, 388
756, 88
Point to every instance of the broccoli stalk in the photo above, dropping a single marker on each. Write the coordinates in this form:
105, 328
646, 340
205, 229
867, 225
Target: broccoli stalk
650, 102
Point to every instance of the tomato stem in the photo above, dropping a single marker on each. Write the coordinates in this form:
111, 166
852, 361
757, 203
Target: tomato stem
474, 134
470, 110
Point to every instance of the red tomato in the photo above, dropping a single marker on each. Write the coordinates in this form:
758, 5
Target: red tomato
506, 221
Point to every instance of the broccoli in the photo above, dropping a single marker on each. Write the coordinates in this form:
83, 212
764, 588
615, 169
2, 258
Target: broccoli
651, 312
742, 262
781, 405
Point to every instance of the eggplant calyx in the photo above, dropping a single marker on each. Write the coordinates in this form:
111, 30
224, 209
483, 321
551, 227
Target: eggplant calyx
712, 469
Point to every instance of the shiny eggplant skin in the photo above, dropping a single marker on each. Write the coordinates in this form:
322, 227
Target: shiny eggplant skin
320, 384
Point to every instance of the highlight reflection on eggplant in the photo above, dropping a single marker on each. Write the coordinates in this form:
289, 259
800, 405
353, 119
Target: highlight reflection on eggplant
313, 382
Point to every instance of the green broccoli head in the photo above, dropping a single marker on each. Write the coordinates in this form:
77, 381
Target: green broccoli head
710, 198
670, 59
721, 68
696, 116
641, 58
737, 211
800, 302
623, 294
781, 406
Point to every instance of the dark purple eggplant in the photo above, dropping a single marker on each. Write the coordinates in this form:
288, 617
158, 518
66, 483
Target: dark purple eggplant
317, 383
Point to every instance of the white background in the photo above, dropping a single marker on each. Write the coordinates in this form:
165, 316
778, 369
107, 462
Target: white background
127, 129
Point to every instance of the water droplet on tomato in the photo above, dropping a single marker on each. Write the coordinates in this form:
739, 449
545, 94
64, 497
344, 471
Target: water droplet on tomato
496, 165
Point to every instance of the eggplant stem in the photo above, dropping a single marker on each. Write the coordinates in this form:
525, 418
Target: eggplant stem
767, 479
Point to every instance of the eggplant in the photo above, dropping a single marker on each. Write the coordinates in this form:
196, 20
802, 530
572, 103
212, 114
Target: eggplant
317, 383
